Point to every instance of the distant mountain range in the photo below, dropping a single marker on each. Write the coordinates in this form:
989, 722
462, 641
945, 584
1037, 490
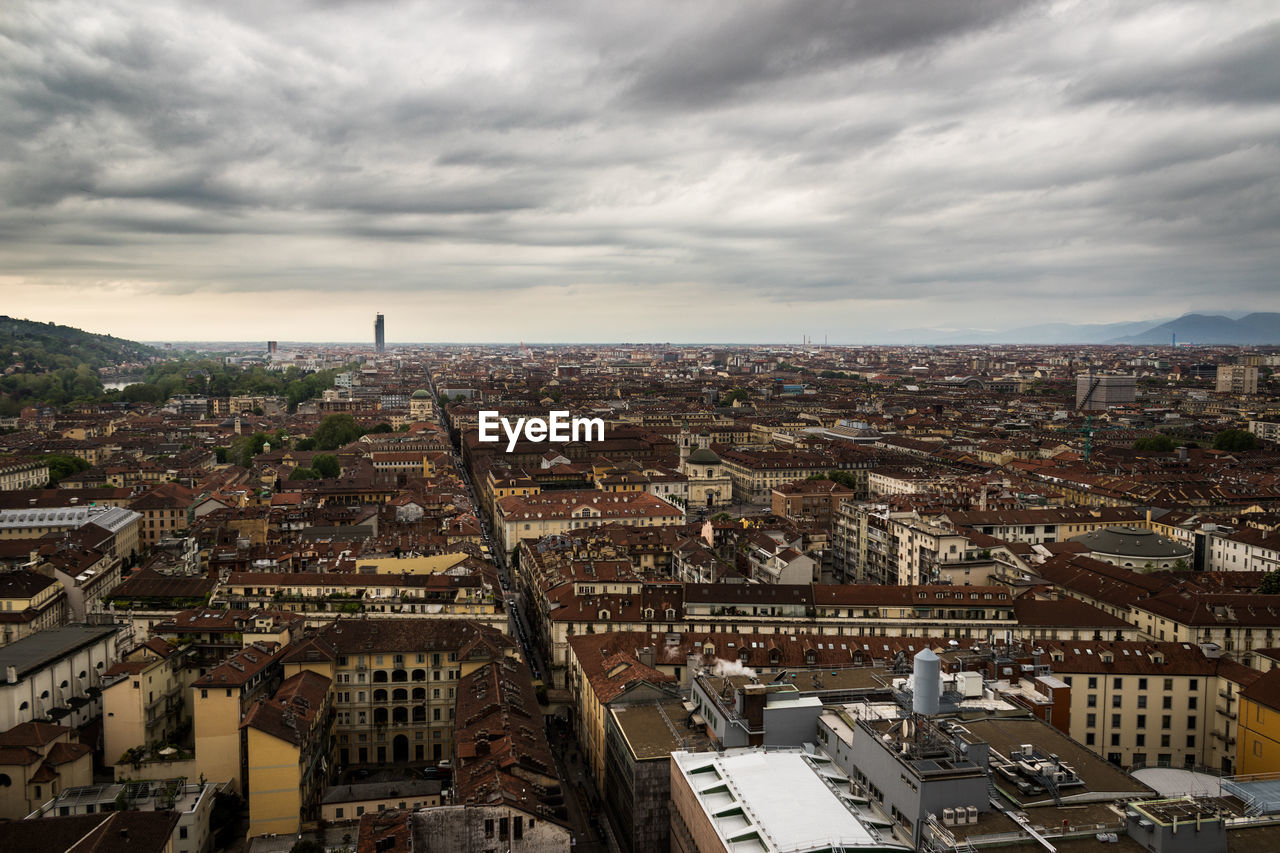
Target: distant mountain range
1259, 328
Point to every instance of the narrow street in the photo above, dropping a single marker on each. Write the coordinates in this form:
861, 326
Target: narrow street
582, 801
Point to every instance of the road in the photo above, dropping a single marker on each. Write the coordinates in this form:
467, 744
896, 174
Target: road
581, 798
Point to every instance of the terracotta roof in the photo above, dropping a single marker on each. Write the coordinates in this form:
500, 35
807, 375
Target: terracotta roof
32, 734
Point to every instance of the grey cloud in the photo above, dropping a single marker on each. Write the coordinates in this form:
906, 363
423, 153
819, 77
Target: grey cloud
944, 157
1244, 69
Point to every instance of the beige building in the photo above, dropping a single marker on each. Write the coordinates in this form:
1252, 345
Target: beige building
23, 474
395, 682
289, 753
219, 701
536, 516
142, 699
1237, 379
37, 762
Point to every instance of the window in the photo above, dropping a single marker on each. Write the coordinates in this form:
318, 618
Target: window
1092, 700
1117, 683
1166, 721
1091, 720
1168, 684
339, 814
1115, 721
1168, 703
1089, 738
1115, 740
1093, 682
1142, 700
1140, 740
1191, 703
488, 828
182, 832
1191, 741
1116, 700
1191, 722
1142, 684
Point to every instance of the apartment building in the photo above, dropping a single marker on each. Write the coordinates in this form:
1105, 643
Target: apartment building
1237, 379
548, 513
289, 749
395, 682
142, 698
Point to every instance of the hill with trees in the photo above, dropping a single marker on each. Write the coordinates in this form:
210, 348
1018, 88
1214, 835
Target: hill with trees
48, 363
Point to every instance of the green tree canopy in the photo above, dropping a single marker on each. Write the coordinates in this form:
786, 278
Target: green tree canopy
326, 465
335, 431
303, 474
1158, 443
63, 465
1270, 584
1233, 440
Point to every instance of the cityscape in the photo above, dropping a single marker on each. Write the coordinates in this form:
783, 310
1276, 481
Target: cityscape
783, 427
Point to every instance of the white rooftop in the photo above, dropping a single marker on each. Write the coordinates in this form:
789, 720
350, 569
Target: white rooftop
768, 801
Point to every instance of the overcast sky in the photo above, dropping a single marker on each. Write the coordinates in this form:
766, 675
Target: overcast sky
650, 171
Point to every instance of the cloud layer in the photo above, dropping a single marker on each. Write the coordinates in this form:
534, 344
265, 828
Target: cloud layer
494, 169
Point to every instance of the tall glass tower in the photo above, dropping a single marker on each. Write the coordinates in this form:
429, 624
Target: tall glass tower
379, 335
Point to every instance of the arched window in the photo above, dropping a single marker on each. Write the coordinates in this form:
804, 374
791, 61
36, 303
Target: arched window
380, 676
744, 655
379, 715
419, 694
5, 781
419, 714
24, 706
400, 715
399, 695
419, 675
379, 695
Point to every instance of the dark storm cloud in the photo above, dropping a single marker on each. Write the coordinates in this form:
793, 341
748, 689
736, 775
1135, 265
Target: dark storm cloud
960, 160
730, 51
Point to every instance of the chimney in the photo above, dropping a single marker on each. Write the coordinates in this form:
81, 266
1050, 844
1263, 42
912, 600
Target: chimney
647, 656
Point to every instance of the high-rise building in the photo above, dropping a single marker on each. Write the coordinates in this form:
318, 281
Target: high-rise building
1237, 379
273, 347
379, 334
1099, 391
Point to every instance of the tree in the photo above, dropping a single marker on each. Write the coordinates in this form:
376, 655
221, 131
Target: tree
220, 454
335, 431
735, 395
1156, 443
1270, 584
381, 428
326, 465
1232, 440
305, 444
303, 474
63, 465
306, 845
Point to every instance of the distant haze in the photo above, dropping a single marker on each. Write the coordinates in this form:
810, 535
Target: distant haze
658, 171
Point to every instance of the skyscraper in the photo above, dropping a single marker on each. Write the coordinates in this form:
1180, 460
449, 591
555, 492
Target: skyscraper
379, 335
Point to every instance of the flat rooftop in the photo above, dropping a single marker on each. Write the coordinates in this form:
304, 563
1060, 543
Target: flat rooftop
768, 801
1101, 780
654, 730
43, 648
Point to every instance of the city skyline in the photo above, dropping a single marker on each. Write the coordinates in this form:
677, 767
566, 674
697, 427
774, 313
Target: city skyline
711, 173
